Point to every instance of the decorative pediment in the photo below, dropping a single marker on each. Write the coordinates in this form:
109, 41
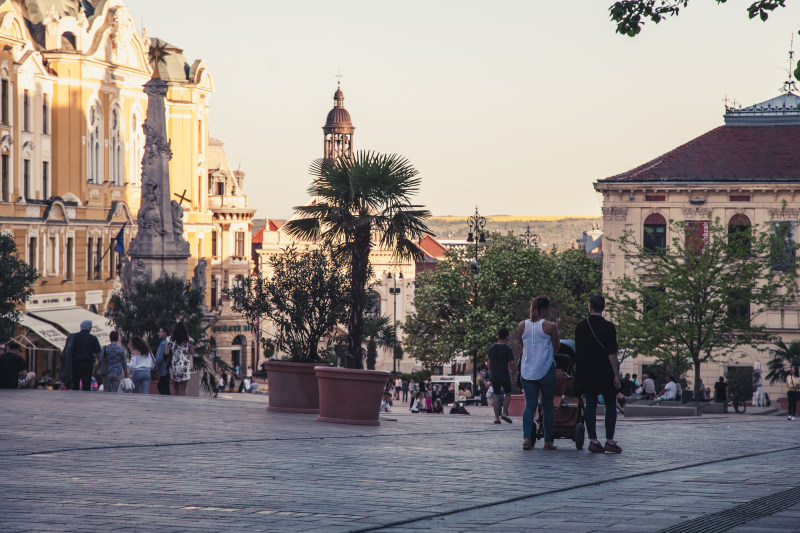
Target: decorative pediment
201, 76
56, 211
696, 213
119, 212
12, 25
6, 140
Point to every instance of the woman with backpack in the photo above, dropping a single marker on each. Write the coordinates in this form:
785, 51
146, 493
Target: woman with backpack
181, 349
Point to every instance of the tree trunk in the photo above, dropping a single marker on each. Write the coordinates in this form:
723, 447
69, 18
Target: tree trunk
698, 388
360, 267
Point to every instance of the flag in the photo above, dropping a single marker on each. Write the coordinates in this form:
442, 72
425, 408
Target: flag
119, 247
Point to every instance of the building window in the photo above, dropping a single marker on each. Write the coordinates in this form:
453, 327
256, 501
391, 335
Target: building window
26, 178
213, 292
214, 244
5, 183
89, 258
782, 246
740, 235
239, 239
33, 251
115, 153
98, 260
221, 188
655, 197
45, 180
4, 102
94, 158
46, 113
740, 197
26, 110
70, 257
739, 308
200, 137
655, 233
696, 236
51, 257
652, 295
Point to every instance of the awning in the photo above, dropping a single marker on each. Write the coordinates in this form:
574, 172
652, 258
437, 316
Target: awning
44, 330
70, 320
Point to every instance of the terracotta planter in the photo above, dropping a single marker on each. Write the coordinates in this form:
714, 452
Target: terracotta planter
783, 402
292, 387
348, 396
517, 405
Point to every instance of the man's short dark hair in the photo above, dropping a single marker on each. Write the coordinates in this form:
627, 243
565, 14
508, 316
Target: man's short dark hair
13, 346
113, 336
502, 333
597, 302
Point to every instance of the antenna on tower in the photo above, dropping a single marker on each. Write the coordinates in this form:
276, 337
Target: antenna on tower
790, 85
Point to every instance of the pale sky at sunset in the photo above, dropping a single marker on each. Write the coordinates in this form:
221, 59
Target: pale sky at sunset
516, 106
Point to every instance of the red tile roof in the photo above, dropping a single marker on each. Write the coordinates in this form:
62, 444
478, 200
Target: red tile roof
258, 237
432, 247
274, 225
727, 153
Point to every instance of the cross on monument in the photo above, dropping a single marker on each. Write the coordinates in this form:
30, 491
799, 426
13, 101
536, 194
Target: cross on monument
339, 77
182, 196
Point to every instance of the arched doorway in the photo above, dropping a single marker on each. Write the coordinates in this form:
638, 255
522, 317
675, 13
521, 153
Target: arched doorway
239, 353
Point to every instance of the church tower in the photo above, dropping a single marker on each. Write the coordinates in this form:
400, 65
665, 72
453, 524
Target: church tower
338, 129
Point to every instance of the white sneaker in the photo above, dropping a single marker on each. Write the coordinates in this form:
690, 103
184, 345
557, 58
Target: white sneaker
792, 419
789, 417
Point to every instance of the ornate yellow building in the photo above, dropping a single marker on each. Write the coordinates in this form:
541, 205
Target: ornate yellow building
71, 146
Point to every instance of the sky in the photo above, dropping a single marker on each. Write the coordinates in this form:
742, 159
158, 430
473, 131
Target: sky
515, 107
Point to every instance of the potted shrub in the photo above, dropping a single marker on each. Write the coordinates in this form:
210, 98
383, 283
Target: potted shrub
305, 297
358, 199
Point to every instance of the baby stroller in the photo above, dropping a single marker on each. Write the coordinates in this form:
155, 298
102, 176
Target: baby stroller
568, 417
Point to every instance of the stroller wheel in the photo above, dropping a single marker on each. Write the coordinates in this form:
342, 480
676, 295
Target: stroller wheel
579, 435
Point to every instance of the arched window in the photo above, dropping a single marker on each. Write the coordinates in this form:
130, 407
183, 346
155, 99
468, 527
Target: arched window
739, 234
115, 153
94, 144
137, 150
655, 232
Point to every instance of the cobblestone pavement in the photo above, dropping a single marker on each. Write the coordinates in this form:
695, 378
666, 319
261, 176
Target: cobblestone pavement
76, 461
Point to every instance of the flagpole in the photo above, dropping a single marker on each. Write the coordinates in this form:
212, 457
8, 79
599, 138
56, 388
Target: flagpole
112, 244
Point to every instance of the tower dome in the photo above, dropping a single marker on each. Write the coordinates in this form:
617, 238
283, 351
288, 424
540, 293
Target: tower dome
338, 129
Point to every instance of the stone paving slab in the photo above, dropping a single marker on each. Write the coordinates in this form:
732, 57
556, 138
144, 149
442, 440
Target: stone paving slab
77, 461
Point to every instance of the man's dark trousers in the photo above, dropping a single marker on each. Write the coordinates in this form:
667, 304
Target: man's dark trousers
82, 372
163, 385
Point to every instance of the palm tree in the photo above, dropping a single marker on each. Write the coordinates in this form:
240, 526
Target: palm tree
357, 200
782, 359
378, 332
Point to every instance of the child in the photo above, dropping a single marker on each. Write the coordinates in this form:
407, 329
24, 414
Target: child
428, 403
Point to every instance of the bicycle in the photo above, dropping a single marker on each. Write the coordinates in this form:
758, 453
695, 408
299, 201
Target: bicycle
738, 401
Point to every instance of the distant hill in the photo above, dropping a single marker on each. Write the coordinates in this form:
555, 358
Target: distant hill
561, 231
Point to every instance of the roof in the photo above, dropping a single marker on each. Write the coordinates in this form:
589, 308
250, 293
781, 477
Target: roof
726, 153
274, 225
759, 143
338, 116
432, 247
258, 237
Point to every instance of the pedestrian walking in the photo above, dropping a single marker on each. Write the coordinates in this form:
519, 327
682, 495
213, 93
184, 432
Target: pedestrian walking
180, 347
501, 368
85, 348
142, 362
115, 358
162, 363
597, 372
792, 391
540, 339
398, 386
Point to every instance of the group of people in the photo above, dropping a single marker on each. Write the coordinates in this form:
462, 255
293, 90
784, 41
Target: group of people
247, 384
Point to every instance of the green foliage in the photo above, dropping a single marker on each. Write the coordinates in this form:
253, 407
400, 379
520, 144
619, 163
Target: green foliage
743, 379
781, 360
378, 332
361, 200
631, 15
305, 297
420, 375
149, 305
18, 280
697, 300
446, 323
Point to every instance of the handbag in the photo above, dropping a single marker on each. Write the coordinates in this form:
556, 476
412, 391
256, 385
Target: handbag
102, 366
126, 385
155, 374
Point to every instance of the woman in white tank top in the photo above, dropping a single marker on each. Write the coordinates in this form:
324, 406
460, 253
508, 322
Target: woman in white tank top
540, 340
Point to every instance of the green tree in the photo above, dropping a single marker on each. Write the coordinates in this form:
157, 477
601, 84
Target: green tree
697, 297
18, 280
305, 296
379, 332
149, 305
631, 15
357, 200
781, 360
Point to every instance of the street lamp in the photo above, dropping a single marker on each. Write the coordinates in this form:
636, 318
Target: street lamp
476, 225
529, 237
394, 291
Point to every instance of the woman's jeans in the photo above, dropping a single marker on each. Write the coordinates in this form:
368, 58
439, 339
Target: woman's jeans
141, 378
547, 387
791, 396
111, 383
590, 413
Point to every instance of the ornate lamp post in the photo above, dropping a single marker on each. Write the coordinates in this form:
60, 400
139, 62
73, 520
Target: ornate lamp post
394, 291
529, 237
476, 225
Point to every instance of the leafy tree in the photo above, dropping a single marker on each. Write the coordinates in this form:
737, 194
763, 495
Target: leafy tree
149, 305
305, 297
631, 15
697, 297
378, 332
357, 200
782, 359
18, 280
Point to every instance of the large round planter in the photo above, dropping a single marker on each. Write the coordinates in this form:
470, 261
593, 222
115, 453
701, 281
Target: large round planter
292, 387
517, 405
783, 403
348, 396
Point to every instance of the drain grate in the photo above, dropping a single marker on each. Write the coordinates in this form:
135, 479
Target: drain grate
736, 516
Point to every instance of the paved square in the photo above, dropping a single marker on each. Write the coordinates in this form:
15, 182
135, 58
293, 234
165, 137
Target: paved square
95, 462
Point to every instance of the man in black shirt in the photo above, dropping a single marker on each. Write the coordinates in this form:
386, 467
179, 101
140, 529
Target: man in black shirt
14, 370
597, 372
721, 391
501, 367
85, 348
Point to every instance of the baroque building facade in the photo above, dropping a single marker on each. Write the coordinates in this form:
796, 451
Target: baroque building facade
742, 173
71, 145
